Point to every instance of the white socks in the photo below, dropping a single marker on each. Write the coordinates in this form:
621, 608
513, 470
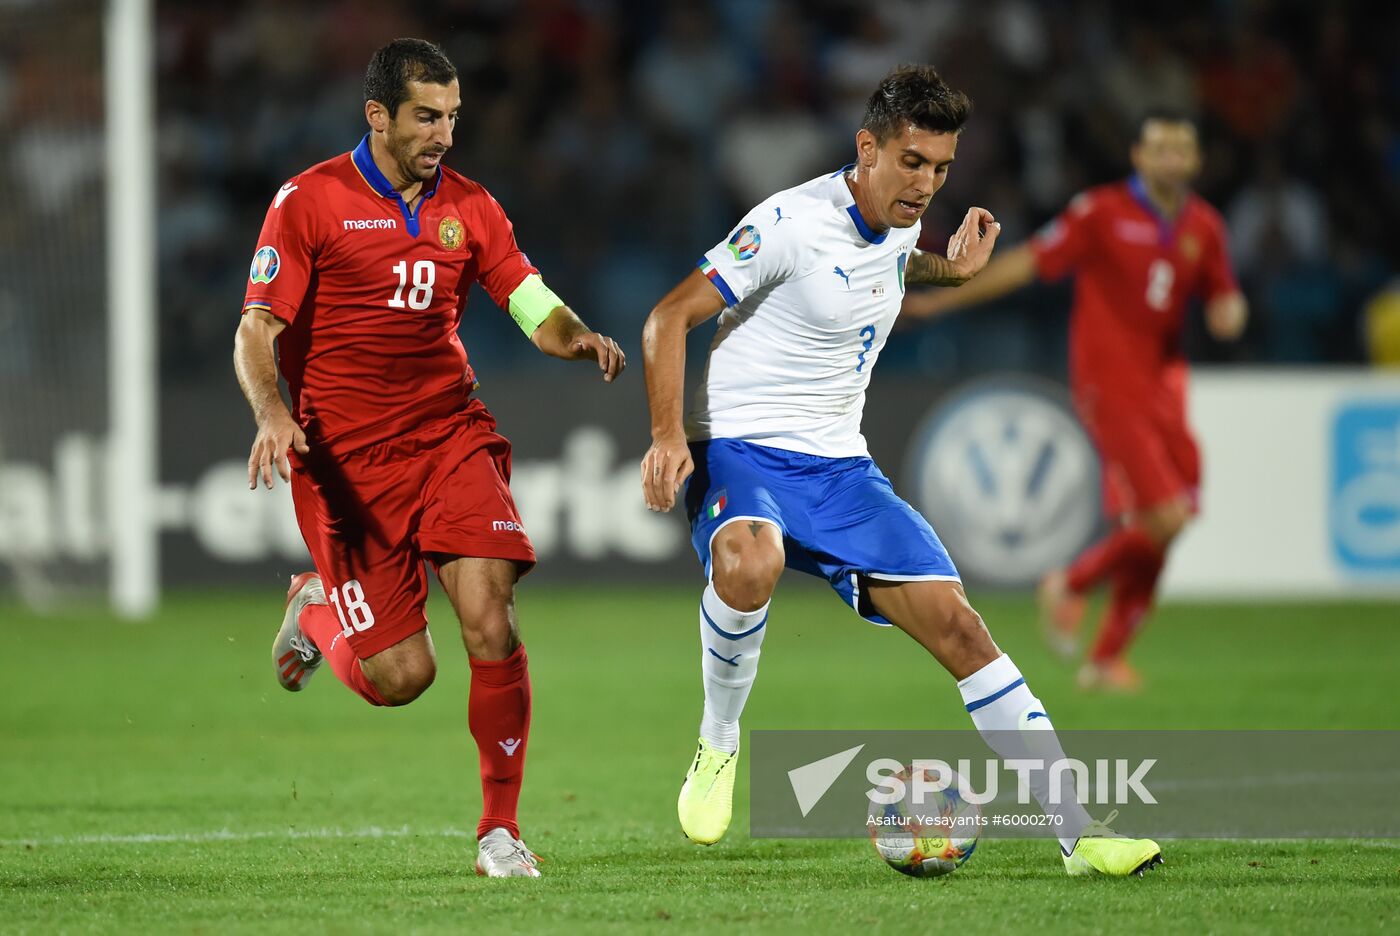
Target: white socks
729, 645
1014, 724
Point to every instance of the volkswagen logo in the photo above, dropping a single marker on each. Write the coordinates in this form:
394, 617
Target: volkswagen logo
1007, 477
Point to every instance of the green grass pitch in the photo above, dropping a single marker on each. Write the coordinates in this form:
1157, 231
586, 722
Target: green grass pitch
153, 777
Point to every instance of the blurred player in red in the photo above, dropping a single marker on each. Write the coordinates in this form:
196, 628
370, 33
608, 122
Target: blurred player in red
356, 291
1138, 250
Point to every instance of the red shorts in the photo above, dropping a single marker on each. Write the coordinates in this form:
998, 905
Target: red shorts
1148, 453
370, 517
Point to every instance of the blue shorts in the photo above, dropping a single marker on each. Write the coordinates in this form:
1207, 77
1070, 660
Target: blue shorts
840, 517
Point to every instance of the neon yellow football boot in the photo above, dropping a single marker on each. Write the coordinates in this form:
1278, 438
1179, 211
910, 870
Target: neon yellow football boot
707, 796
1101, 851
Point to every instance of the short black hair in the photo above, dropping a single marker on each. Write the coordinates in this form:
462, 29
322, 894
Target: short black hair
392, 67
915, 94
1171, 115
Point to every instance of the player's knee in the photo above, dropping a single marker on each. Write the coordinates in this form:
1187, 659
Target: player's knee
405, 682
1164, 523
745, 579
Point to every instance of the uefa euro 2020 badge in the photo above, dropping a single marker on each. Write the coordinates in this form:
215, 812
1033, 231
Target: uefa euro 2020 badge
745, 242
450, 233
265, 264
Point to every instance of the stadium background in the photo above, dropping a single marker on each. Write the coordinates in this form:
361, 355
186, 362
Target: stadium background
624, 138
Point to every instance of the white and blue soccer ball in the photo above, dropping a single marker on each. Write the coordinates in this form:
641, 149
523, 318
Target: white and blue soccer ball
925, 838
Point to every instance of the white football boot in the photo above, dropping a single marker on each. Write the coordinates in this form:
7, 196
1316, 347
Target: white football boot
499, 854
294, 656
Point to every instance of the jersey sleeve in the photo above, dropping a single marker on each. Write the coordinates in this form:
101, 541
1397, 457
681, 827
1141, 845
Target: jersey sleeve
757, 254
287, 247
501, 265
1062, 244
1217, 272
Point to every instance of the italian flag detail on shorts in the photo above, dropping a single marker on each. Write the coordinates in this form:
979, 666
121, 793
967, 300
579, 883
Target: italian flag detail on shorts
717, 508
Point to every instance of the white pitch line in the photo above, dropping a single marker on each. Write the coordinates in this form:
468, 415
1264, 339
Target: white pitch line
229, 835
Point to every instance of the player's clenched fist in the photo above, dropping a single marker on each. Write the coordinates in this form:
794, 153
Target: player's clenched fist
665, 467
275, 435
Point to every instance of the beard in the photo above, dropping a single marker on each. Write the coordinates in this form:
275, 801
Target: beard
402, 150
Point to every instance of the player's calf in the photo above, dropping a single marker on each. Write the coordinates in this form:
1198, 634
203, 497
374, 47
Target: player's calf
938, 616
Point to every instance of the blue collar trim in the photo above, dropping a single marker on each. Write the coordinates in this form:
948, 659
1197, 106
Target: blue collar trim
864, 228
1166, 227
364, 161
854, 212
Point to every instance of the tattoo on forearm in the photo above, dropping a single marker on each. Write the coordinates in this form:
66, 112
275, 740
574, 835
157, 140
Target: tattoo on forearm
932, 269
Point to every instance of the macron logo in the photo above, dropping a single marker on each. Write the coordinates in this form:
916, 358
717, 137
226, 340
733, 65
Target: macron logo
510, 526
371, 224
510, 744
811, 781
282, 194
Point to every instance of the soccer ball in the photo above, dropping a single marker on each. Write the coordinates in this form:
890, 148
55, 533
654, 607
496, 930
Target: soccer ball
928, 838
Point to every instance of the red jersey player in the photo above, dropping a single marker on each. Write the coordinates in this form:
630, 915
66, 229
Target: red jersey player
356, 291
1138, 250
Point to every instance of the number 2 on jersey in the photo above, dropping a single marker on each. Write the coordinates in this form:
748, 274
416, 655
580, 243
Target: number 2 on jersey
868, 333
421, 295
1160, 277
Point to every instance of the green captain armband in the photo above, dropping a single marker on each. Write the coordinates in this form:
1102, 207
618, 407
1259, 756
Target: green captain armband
531, 303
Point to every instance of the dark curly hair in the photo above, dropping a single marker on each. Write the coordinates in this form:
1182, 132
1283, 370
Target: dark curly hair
915, 94
392, 67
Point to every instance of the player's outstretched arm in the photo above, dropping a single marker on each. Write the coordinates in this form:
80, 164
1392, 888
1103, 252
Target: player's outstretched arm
563, 335
1007, 273
667, 463
255, 363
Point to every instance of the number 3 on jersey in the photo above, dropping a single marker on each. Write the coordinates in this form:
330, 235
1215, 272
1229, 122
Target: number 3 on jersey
868, 333
421, 295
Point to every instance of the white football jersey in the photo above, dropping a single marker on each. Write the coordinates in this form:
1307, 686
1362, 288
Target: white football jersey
812, 294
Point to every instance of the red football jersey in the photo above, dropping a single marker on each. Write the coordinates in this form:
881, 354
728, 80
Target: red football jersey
1134, 272
372, 295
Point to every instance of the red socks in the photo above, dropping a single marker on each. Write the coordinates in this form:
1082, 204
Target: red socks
1101, 559
318, 622
1134, 587
498, 711
1132, 562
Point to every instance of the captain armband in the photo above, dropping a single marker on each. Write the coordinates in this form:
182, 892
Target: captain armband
531, 303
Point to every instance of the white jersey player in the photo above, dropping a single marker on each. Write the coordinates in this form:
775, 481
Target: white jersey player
775, 470
812, 294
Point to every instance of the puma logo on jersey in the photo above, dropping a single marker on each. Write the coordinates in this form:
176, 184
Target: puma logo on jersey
370, 224
781, 216
282, 194
509, 745
844, 275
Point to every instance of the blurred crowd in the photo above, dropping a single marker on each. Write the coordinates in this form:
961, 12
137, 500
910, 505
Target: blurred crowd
624, 138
